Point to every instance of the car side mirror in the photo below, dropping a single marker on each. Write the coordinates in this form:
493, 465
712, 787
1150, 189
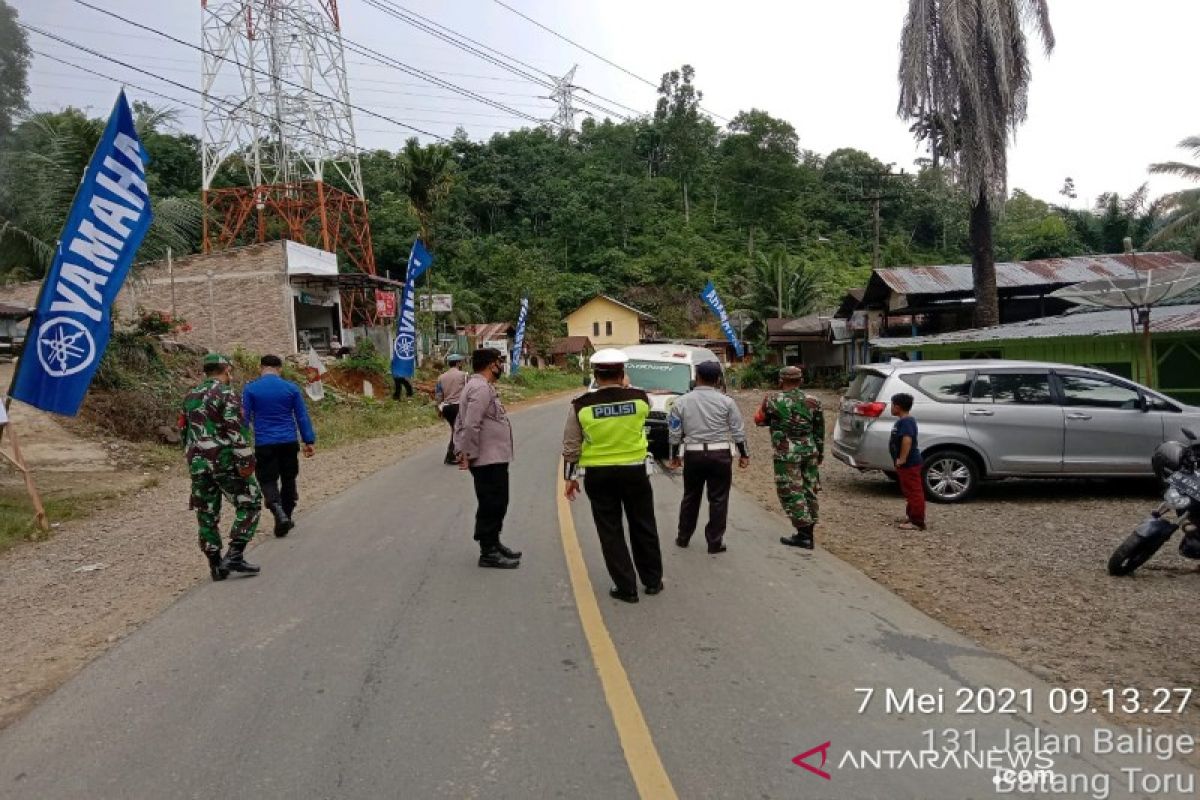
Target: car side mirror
1189, 433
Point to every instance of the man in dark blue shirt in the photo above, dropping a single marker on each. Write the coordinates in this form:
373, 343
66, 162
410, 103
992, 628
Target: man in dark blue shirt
274, 408
906, 457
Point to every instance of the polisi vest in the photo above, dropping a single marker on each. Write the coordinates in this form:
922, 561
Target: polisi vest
613, 420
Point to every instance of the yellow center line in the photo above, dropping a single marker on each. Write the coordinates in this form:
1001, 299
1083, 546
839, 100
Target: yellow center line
645, 765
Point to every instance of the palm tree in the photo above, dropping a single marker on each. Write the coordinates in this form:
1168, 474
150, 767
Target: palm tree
783, 286
1182, 208
964, 63
39, 175
427, 175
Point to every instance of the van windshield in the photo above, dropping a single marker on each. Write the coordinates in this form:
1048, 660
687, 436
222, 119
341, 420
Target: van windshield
655, 376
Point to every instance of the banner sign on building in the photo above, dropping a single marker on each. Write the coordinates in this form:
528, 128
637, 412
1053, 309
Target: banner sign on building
519, 342
70, 327
404, 346
385, 303
713, 301
441, 303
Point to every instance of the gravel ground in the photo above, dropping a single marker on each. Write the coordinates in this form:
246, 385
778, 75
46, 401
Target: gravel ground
1021, 569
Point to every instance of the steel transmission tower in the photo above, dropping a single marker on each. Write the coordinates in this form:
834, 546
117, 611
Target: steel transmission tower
564, 117
276, 108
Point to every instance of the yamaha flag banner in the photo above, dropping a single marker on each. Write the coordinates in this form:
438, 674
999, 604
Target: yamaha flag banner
404, 347
713, 301
70, 328
519, 342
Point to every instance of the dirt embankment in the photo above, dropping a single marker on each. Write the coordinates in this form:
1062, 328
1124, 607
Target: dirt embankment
1020, 569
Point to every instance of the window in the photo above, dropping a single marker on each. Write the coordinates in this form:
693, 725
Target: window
1013, 388
595, 329
1122, 369
865, 387
945, 387
1079, 390
608, 328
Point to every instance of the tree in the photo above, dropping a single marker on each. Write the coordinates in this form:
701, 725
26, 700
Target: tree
1182, 208
758, 165
14, 68
783, 286
964, 62
687, 135
426, 175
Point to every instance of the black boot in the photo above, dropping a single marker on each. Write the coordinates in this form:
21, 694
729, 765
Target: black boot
216, 567
235, 561
495, 559
507, 553
803, 538
283, 520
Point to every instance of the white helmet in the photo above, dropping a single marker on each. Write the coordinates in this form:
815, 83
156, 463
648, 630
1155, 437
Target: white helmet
609, 356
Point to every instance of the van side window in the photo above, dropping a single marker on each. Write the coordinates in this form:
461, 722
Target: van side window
1079, 390
1021, 388
945, 387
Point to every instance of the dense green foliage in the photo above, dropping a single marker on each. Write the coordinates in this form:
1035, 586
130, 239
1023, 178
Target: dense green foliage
646, 210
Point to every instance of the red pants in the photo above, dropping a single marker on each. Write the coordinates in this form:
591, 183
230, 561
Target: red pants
914, 493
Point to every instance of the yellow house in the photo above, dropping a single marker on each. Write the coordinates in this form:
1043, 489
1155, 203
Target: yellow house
610, 323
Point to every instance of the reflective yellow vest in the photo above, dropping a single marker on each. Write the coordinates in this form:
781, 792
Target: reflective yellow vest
613, 420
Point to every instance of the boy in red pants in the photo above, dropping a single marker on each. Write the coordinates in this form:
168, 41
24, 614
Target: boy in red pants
907, 457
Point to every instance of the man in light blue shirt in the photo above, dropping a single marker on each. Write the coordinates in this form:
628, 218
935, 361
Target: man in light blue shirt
274, 408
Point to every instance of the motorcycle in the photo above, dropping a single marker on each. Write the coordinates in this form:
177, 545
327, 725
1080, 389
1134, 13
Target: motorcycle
1180, 464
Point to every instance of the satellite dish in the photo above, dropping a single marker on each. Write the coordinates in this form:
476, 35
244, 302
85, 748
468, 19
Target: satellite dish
1139, 291
1151, 287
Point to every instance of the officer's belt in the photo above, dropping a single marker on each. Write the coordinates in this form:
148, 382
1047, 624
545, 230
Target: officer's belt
721, 447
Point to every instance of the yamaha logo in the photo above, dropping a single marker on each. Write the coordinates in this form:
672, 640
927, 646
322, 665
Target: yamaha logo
65, 347
404, 347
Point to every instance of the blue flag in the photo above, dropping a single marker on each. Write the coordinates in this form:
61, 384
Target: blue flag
519, 343
404, 347
713, 301
70, 328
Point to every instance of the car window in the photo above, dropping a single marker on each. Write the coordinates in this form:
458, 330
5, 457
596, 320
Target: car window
865, 387
945, 387
1013, 388
1158, 404
1080, 390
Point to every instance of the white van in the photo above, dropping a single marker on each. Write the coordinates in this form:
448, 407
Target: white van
663, 371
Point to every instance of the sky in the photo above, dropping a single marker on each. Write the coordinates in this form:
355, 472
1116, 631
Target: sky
1109, 101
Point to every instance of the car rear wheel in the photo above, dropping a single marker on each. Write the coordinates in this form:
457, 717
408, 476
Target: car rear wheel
950, 476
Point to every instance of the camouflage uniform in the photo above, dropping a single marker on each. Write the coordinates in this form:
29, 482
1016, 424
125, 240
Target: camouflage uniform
217, 448
798, 437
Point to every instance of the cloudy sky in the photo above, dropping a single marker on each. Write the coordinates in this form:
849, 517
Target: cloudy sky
1111, 99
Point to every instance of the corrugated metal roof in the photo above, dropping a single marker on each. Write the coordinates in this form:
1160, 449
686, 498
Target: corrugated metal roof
1113, 322
1015, 274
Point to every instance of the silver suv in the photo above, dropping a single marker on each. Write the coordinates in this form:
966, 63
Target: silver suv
1001, 419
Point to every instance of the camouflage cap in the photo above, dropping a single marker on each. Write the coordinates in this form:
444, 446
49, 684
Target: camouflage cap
791, 374
216, 360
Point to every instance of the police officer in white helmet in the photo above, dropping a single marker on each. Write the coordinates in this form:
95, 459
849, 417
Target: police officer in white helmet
605, 441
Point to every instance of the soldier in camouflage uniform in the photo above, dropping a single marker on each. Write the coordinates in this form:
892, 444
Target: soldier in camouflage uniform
798, 437
221, 462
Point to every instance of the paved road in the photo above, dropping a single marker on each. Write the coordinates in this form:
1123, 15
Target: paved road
373, 659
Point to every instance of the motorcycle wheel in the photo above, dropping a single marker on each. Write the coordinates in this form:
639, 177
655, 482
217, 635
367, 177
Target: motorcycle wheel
1132, 553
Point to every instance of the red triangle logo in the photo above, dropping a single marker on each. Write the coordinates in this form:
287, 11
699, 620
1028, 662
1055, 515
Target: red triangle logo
802, 760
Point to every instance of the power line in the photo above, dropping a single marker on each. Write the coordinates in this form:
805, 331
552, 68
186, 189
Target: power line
250, 67
177, 84
472, 46
594, 54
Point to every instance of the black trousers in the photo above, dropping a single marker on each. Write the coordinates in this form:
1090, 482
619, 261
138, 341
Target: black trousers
611, 489
276, 467
491, 491
402, 384
450, 414
711, 469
